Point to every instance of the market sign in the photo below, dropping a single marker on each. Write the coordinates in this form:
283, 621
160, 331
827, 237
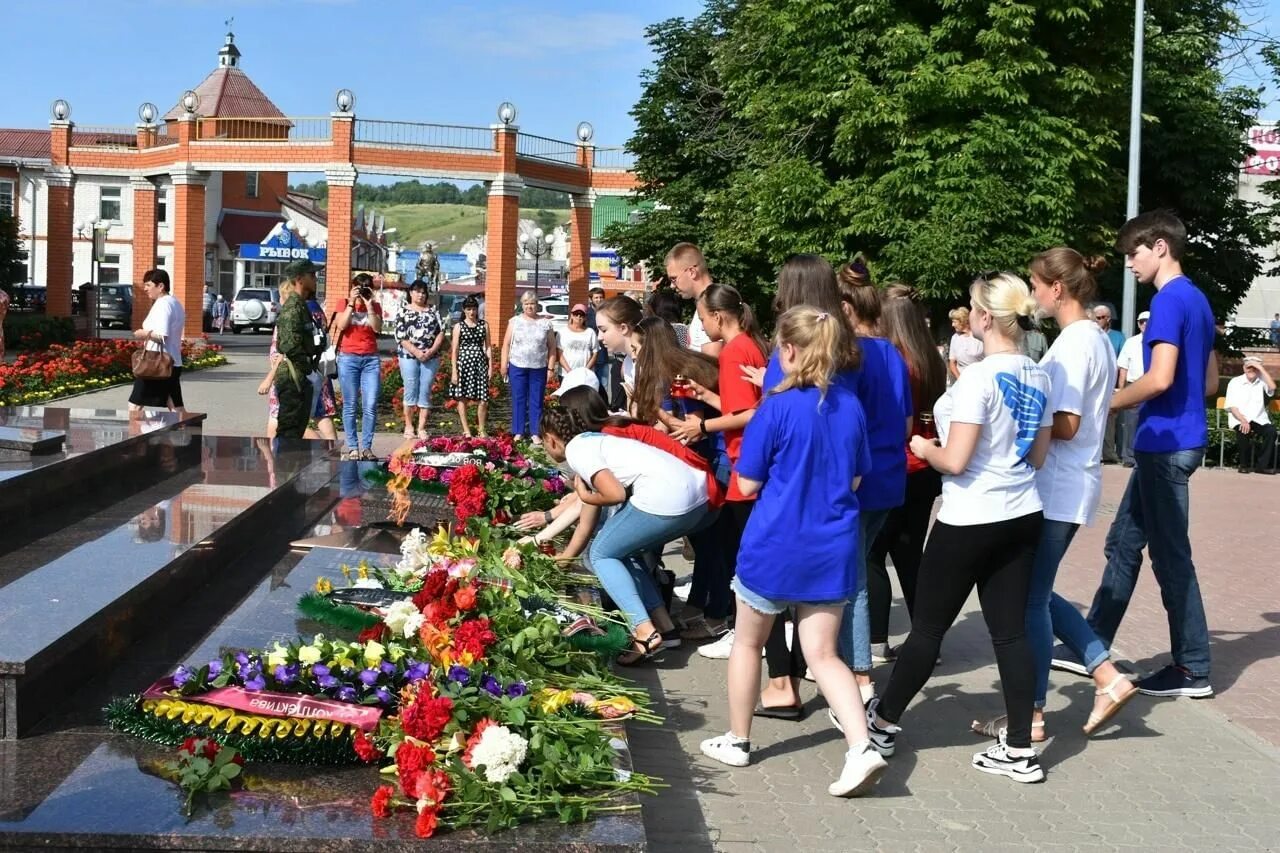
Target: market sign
282, 245
1265, 159
605, 264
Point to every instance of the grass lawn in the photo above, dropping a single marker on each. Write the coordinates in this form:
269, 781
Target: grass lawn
447, 225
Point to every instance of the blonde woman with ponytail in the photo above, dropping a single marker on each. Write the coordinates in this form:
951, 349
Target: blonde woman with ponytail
994, 427
803, 454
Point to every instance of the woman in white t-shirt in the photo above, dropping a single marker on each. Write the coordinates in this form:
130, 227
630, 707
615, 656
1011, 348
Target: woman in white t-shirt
664, 499
1082, 371
578, 344
994, 429
965, 348
162, 332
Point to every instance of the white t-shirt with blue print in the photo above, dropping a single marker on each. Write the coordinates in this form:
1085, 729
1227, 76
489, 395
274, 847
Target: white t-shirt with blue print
1007, 394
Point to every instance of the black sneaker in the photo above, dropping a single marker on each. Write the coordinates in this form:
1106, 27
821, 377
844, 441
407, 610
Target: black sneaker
1065, 660
996, 759
881, 739
1174, 681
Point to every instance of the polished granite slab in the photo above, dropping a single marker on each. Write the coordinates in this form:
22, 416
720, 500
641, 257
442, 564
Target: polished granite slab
73, 786
17, 443
70, 600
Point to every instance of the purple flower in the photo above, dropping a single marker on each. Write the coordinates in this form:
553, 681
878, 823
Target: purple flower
322, 676
242, 660
384, 695
516, 688
417, 672
215, 668
182, 676
369, 677
387, 668
256, 683
286, 674
347, 694
460, 674
490, 685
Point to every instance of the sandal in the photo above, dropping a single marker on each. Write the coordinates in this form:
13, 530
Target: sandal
1097, 720
422, 435
352, 455
641, 650
994, 727
368, 456
703, 629
408, 433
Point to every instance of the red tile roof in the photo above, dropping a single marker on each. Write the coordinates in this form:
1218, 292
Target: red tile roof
229, 93
237, 228
24, 144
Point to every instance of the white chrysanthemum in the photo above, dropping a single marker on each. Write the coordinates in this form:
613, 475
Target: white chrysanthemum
398, 616
413, 625
368, 583
500, 751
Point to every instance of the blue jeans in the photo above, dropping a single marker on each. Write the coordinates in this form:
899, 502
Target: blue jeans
418, 376
1155, 514
528, 385
628, 583
358, 375
1126, 426
1049, 614
855, 623
602, 370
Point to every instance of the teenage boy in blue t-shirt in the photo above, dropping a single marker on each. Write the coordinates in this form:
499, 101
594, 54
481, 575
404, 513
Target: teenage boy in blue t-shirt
1181, 368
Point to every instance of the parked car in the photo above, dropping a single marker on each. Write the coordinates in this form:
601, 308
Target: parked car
555, 309
115, 305
254, 308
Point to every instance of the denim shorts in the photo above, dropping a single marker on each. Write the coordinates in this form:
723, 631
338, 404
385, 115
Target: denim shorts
771, 607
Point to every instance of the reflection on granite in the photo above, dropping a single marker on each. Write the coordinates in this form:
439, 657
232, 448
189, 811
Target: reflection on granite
83, 603
85, 430
16, 443
82, 787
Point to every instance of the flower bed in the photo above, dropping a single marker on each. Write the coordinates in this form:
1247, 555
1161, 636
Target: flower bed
61, 370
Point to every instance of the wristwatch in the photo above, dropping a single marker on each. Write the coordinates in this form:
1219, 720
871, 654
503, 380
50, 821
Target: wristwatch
546, 517
702, 426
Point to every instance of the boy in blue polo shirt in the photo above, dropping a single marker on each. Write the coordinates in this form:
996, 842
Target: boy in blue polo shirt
1181, 368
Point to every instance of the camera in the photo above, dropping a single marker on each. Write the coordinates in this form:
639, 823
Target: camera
366, 292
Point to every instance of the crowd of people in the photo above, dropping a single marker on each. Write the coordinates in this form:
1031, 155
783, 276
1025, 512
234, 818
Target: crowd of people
799, 467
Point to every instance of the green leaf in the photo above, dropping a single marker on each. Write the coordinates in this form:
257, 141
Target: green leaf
507, 794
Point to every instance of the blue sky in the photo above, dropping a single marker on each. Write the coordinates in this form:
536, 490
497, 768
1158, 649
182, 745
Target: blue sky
442, 61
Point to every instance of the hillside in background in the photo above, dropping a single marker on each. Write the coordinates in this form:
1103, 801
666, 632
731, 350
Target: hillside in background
451, 225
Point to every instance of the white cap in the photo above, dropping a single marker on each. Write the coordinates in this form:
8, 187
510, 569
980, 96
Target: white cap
577, 378
1145, 315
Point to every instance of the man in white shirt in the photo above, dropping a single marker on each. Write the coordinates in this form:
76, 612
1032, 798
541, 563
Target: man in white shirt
687, 269
1247, 396
1129, 370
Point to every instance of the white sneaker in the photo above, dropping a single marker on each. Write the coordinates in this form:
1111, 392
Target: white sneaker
682, 591
882, 740
996, 759
862, 769
730, 750
719, 650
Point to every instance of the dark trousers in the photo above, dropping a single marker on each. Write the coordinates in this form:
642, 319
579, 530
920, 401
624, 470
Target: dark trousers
293, 390
1255, 451
997, 558
901, 538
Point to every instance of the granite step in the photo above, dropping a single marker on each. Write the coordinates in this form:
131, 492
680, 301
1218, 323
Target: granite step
72, 601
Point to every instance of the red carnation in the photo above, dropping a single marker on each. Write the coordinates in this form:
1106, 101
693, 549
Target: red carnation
426, 824
373, 632
425, 718
381, 802
432, 586
365, 748
474, 636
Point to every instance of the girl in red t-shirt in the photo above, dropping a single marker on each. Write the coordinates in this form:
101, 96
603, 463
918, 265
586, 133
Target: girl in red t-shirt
359, 320
726, 318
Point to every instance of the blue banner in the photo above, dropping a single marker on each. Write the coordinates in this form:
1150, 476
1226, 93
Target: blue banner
259, 252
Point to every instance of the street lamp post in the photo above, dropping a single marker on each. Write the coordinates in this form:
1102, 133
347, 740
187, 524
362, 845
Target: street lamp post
97, 228
539, 245
1129, 301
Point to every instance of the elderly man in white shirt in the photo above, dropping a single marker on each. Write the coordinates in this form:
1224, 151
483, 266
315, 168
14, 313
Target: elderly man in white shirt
1247, 396
1129, 369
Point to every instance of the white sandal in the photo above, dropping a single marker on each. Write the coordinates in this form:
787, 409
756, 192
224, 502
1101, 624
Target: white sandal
993, 728
1096, 720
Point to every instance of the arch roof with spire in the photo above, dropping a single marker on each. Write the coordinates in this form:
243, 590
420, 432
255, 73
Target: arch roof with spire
228, 92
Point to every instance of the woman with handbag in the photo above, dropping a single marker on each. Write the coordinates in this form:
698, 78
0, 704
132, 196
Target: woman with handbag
157, 367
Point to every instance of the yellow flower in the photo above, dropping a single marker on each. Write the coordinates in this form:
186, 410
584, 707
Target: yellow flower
363, 572
279, 656
440, 544
346, 572
309, 655
323, 586
373, 653
553, 700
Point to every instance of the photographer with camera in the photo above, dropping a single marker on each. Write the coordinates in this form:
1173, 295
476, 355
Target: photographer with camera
359, 321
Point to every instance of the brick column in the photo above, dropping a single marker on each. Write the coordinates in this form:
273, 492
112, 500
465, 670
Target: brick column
342, 201
144, 243
59, 221
187, 274
580, 245
500, 277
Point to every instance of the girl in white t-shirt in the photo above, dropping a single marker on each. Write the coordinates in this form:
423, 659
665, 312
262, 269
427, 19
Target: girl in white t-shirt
994, 428
1082, 370
664, 499
578, 344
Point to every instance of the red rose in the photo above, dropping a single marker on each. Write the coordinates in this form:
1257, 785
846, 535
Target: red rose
381, 803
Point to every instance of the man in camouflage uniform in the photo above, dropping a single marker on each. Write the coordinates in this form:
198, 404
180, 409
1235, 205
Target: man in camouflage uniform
297, 339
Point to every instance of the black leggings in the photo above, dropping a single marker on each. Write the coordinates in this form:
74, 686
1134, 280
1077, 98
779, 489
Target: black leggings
901, 538
997, 558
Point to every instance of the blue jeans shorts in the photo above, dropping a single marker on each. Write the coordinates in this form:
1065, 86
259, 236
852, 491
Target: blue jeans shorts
769, 606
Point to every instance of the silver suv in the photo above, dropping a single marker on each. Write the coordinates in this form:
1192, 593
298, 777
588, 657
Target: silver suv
254, 308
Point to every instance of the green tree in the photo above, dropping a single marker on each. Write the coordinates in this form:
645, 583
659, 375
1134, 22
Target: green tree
939, 138
13, 257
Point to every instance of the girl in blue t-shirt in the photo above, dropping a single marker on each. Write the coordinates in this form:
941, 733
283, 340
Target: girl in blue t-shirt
803, 453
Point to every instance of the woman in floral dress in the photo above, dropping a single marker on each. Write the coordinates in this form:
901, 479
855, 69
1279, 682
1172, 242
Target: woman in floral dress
471, 367
420, 335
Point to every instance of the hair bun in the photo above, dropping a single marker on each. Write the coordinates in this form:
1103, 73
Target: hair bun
1095, 264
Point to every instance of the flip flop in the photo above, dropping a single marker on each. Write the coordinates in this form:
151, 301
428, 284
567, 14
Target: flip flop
791, 713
